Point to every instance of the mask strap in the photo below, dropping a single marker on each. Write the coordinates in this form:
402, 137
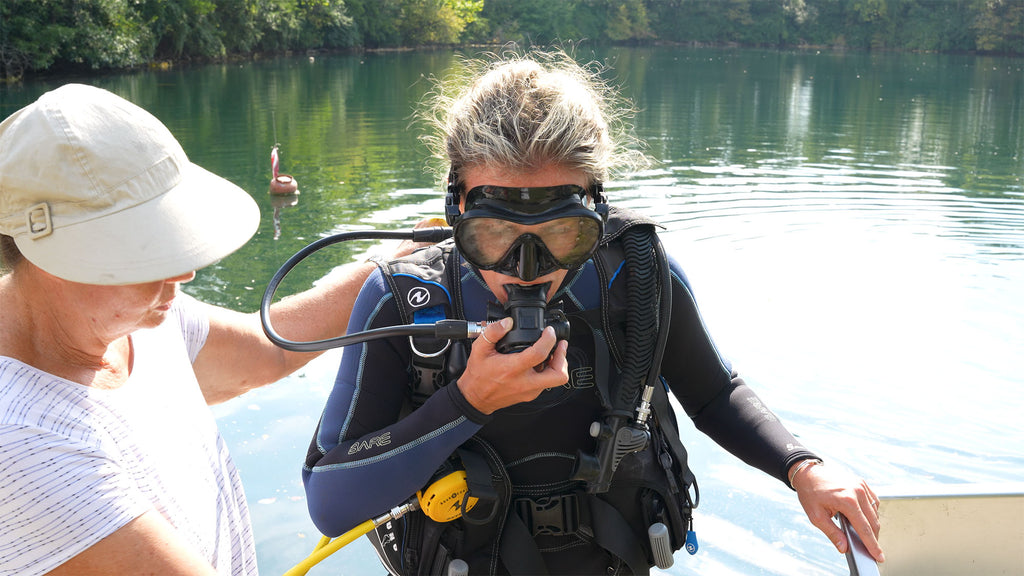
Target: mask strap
600, 201
451, 199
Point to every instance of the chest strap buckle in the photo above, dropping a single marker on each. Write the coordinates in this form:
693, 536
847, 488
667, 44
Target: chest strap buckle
550, 515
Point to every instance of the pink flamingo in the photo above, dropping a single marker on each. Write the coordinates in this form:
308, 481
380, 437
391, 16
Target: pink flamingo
280, 183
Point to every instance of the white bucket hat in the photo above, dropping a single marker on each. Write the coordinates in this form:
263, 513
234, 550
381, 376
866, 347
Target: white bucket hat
96, 190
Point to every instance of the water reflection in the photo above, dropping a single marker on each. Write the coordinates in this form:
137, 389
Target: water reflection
279, 202
777, 196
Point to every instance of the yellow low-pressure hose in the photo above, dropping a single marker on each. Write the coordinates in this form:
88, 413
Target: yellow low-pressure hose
443, 500
326, 547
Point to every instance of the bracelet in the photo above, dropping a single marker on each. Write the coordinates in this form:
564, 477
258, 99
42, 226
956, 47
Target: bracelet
807, 463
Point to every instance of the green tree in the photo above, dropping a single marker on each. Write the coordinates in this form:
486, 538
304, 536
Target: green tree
627, 21
874, 17
536, 21
40, 34
375, 22
238, 25
436, 21
280, 25
665, 19
999, 26
184, 29
325, 24
934, 25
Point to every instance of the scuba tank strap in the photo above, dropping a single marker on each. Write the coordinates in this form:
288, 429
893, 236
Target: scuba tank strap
423, 280
588, 516
611, 262
428, 357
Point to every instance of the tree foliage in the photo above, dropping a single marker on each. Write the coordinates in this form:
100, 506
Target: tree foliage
40, 35
999, 25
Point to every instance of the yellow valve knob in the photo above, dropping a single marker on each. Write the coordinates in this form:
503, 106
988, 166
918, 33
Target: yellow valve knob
442, 500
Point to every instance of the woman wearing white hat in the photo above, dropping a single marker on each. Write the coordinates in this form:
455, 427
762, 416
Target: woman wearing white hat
110, 461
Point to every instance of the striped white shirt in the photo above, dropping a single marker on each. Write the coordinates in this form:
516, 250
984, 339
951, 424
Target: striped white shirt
77, 463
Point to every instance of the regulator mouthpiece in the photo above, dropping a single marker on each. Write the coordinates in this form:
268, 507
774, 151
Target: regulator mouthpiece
527, 306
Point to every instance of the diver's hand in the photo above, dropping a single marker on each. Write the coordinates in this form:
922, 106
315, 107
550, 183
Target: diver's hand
826, 490
493, 380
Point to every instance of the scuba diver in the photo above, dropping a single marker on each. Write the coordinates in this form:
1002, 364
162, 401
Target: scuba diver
559, 411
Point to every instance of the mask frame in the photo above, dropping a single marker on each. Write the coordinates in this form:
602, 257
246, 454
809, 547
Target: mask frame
527, 257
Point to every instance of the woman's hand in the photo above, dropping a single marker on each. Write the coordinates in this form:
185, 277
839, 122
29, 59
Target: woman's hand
825, 491
493, 380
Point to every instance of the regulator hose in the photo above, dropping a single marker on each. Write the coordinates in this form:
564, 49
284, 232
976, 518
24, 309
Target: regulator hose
431, 235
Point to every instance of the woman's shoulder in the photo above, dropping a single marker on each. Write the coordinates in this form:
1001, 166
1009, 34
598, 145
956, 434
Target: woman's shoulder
41, 403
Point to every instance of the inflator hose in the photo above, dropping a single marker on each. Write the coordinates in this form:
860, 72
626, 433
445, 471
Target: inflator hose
643, 350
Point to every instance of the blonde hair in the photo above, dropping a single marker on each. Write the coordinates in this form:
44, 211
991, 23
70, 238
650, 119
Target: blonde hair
521, 112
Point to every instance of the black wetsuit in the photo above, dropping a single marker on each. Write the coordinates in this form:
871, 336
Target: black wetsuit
365, 458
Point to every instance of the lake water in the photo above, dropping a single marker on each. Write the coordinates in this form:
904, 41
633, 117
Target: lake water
853, 226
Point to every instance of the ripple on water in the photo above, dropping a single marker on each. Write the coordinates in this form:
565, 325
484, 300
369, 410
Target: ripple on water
877, 306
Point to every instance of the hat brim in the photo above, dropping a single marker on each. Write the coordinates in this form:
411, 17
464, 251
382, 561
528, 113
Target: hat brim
194, 224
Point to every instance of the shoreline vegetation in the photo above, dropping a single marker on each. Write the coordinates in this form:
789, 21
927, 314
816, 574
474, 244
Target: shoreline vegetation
68, 37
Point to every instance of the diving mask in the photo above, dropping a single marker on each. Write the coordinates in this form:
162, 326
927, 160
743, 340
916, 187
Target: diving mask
528, 232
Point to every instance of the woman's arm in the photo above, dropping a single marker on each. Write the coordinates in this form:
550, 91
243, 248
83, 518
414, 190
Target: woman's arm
730, 413
146, 545
238, 357
716, 398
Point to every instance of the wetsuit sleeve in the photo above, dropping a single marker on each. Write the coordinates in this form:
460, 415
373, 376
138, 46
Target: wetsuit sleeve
718, 401
364, 459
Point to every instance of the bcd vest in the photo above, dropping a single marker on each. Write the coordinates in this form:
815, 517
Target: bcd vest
533, 517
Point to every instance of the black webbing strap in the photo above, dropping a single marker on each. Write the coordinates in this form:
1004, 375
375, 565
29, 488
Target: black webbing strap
597, 518
613, 533
480, 483
519, 552
662, 411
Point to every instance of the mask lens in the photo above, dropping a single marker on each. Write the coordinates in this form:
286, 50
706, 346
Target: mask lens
570, 240
486, 241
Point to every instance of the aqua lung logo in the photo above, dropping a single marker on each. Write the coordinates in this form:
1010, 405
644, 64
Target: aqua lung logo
582, 377
418, 296
377, 441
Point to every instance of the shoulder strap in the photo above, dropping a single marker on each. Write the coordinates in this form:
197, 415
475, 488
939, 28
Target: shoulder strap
424, 293
630, 246
610, 263
420, 280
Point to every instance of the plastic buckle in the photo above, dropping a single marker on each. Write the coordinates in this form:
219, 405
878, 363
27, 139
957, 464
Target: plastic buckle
551, 515
38, 221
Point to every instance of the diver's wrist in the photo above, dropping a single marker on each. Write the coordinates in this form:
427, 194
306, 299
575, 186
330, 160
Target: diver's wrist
799, 467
